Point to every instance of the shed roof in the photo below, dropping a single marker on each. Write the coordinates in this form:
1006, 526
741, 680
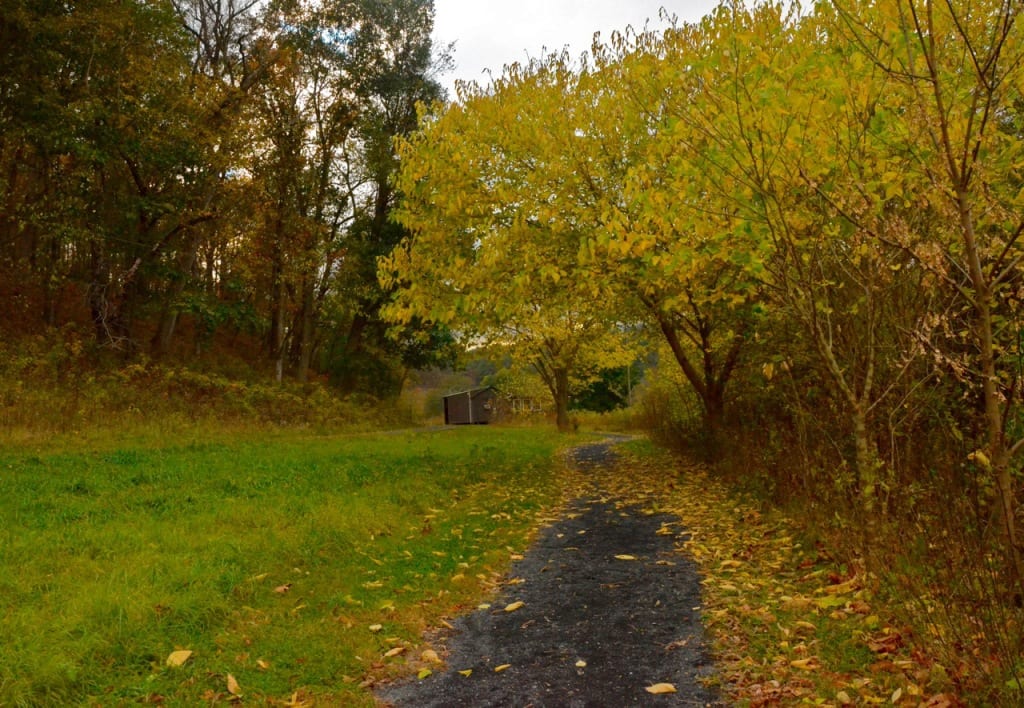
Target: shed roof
479, 389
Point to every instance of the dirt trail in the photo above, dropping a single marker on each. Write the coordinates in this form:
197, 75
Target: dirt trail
594, 629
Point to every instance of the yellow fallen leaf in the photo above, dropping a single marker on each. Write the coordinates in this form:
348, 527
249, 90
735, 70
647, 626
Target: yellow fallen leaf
808, 664
625, 557
177, 658
896, 695
842, 588
393, 652
263, 664
233, 688
513, 606
843, 698
298, 701
580, 664
376, 627
660, 688
423, 674
466, 672
730, 564
501, 667
431, 656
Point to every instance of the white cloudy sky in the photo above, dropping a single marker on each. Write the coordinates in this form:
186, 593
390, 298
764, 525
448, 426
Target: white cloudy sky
491, 33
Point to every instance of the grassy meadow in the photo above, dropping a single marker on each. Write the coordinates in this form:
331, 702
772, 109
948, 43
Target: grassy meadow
288, 563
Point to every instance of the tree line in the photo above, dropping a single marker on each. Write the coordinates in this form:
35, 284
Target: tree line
220, 164
817, 212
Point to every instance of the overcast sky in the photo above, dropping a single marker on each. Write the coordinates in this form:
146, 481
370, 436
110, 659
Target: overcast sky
491, 33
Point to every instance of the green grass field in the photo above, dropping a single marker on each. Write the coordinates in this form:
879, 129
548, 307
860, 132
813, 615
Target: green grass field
272, 558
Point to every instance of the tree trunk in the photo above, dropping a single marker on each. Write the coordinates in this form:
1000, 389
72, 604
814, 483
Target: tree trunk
169, 313
709, 384
306, 321
865, 460
106, 305
561, 396
997, 450
353, 346
714, 419
275, 336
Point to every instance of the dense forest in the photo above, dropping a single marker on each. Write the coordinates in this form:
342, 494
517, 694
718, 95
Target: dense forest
182, 172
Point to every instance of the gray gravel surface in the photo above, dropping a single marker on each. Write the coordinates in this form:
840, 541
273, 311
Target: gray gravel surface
594, 630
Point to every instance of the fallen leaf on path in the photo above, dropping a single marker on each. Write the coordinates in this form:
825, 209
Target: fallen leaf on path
660, 688
431, 656
393, 652
625, 557
513, 606
423, 674
581, 664
501, 667
466, 672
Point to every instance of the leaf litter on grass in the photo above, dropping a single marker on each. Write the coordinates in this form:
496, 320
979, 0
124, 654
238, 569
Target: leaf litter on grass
267, 576
788, 625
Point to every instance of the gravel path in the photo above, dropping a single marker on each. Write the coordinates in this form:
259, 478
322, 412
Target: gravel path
593, 630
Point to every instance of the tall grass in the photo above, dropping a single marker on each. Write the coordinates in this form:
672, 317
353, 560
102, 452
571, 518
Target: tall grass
58, 383
270, 557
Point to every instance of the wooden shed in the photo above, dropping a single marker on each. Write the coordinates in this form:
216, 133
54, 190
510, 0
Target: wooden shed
473, 407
